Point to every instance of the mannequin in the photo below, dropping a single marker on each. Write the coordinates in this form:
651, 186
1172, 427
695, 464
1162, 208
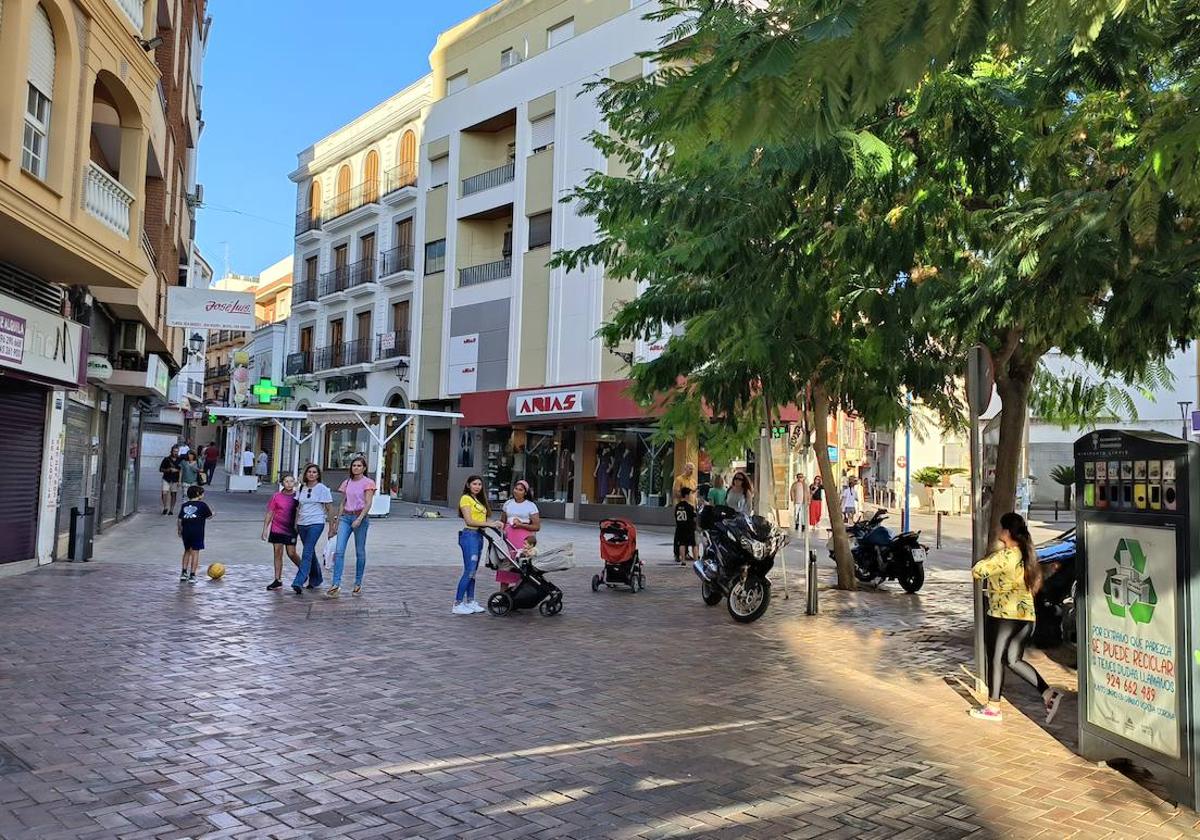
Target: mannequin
603, 472
625, 473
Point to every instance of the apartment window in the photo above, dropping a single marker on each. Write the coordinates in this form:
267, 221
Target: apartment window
404, 234
337, 331
310, 269
341, 257
306, 339
371, 176
400, 316
408, 155
366, 247
509, 58
539, 230
439, 171
314, 199
457, 82
362, 325
40, 92
435, 256
555, 35
541, 133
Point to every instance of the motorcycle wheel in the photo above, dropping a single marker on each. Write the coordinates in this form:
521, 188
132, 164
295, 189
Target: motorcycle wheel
913, 579
863, 575
749, 599
711, 594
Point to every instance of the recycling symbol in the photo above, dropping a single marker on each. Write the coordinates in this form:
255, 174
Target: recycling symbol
1127, 587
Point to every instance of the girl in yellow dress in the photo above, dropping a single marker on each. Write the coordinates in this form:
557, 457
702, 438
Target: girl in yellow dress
1014, 576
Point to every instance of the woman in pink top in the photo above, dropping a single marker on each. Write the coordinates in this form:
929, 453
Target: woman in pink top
357, 493
279, 527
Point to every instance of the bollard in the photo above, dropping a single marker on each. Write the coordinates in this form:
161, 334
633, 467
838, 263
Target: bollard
811, 582
1056, 511
938, 544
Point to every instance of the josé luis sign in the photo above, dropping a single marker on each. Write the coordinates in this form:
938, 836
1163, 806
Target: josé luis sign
552, 403
209, 309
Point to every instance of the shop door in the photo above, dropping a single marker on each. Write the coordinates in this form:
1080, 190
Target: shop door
77, 457
23, 419
266, 442
441, 465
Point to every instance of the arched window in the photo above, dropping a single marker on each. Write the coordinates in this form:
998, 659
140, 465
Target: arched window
342, 199
314, 200
40, 94
408, 159
371, 177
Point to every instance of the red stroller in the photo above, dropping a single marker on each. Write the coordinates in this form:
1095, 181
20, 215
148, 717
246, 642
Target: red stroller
618, 549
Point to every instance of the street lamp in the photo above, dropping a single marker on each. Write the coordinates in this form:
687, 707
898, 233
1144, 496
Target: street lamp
196, 343
1184, 405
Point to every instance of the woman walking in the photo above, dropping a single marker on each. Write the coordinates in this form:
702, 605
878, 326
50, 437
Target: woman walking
473, 509
313, 515
262, 467
1013, 578
279, 528
190, 473
816, 498
357, 491
740, 496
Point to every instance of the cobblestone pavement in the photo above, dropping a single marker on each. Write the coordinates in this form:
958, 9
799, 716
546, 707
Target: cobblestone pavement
134, 707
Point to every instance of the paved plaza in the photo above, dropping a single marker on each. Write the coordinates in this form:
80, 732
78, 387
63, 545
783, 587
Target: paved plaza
135, 707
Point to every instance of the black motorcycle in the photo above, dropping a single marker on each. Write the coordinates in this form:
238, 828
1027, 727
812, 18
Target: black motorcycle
739, 551
881, 555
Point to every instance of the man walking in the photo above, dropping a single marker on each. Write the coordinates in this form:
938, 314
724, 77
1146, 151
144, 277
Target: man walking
211, 456
850, 501
800, 500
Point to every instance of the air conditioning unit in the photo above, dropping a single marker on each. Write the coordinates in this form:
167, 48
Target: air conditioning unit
196, 199
509, 58
872, 441
132, 338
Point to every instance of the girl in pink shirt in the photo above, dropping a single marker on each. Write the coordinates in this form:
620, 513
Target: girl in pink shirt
358, 493
279, 527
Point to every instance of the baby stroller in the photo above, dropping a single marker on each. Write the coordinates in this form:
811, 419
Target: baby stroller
534, 590
622, 563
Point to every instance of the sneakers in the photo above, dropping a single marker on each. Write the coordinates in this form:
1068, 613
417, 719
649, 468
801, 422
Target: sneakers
273, 585
462, 609
299, 590
164, 513
987, 713
1052, 704
192, 577
474, 607
333, 591
183, 576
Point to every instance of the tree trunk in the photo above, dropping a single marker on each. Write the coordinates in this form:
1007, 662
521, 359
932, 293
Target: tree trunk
1066, 497
841, 542
1014, 381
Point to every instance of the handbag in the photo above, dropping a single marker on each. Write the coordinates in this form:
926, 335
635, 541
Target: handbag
330, 553
201, 477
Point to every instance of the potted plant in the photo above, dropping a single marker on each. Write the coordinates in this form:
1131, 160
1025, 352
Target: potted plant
1064, 475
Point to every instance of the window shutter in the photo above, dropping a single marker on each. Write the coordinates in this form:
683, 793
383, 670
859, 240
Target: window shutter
441, 171
41, 53
542, 131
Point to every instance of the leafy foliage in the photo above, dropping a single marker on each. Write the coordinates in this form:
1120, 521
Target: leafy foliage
1063, 474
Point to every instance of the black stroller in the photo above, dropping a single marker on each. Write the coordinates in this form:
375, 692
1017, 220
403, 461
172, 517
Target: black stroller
533, 590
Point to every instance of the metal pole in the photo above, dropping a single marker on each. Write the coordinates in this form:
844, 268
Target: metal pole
906, 525
1184, 405
811, 584
939, 529
979, 526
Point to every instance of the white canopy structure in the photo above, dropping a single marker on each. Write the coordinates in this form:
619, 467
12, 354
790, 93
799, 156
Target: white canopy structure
373, 418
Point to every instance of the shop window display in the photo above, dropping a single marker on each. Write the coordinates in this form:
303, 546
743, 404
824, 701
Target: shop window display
543, 457
628, 466
343, 444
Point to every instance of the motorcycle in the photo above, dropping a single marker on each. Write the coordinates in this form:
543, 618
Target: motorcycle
739, 551
1054, 604
880, 555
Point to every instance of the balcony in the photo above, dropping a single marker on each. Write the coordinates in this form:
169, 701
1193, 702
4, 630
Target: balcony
335, 281
306, 291
487, 180
107, 199
356, 352
476, 274
391, 345
396, 179
397, 260
216, 372
362, 275
340, 207
299, 364
307, 223
134, 11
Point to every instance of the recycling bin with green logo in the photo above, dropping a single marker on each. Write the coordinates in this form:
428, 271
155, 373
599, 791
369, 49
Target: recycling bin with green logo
1137, 522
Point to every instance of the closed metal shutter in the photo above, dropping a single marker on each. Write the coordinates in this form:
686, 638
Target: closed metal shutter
23, 419
41, 53
439, 171
76, 462
542, 133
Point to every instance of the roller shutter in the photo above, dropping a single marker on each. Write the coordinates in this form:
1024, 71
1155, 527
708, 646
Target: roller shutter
23, 419
41, 53
542, 133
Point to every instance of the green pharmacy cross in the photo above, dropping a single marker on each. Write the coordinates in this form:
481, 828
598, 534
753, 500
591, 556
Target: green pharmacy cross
1127, 588
265, 390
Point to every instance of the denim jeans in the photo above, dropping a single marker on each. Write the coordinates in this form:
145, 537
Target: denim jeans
310, 567
345, 529
470, 540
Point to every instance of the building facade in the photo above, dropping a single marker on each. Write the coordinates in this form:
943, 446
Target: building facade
349, 334
98, 126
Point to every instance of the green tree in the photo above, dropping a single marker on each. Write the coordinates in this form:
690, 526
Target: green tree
1065, 475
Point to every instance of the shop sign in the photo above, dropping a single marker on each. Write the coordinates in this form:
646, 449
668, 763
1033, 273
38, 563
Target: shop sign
99, 368
209, 309
462, 364
555, 403
42, 344
351, 382
1133, 662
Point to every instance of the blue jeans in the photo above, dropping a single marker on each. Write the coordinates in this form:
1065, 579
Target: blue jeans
309, 569
345, 529
470, 541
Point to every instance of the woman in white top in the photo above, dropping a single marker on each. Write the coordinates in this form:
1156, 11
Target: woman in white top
314, 514
520, 516
741, 495
262, 467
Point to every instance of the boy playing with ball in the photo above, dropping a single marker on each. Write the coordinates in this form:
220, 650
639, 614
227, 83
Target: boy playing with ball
192, 515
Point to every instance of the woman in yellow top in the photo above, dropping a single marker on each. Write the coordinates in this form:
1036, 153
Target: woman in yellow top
473, 509
1013, 578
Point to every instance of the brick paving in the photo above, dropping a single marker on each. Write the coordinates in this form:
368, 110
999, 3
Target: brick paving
134, 707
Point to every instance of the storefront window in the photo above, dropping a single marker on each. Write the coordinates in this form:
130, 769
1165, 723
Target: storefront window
342, 444
627, 465
543, 457
498, 464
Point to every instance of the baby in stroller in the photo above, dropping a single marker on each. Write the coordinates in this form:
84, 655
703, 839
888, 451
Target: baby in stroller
508, 574
522, 575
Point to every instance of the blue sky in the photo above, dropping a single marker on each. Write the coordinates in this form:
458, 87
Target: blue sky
279, 75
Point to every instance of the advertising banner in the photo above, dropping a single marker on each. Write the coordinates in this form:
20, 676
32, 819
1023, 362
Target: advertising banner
1133, 662
209, 309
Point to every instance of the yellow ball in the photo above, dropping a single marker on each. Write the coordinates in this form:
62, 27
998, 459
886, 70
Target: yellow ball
216, 571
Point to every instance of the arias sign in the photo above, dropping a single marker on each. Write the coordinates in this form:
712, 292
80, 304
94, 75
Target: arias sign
573, 402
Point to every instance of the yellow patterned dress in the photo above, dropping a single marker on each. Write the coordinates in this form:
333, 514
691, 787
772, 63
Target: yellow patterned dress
1008, 596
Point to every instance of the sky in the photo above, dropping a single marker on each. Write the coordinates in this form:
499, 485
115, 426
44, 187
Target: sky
278, 76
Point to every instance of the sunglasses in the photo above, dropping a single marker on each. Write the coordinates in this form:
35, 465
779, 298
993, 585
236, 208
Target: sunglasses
310, 492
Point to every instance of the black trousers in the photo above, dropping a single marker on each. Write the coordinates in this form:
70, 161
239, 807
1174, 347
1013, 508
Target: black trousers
1006, 640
